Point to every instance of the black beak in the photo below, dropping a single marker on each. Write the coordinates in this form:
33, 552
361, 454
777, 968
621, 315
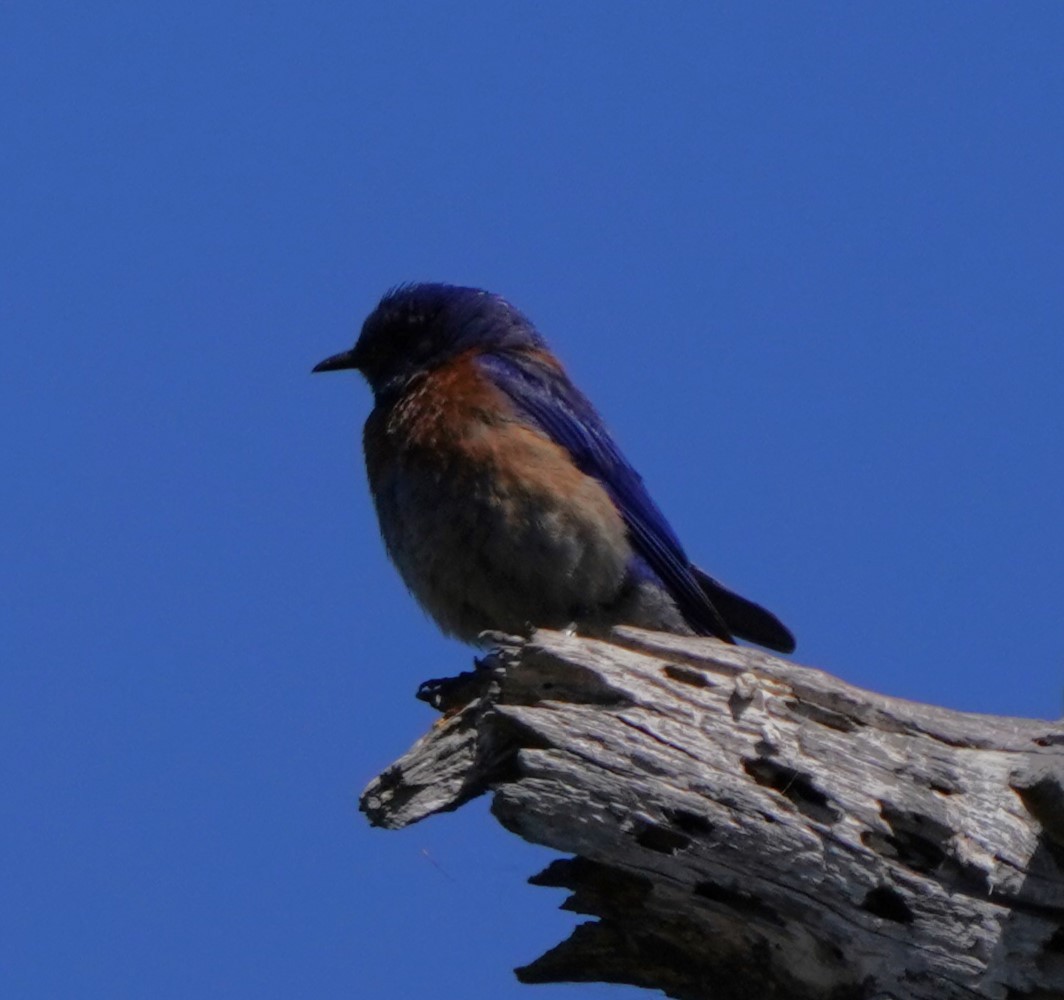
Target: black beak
338, 362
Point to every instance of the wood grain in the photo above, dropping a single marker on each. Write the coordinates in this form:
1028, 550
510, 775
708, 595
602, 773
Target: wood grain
745, 827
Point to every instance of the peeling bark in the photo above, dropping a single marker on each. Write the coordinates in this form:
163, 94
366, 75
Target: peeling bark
746, 827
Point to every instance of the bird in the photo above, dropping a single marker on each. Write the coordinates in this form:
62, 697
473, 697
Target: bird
503, 500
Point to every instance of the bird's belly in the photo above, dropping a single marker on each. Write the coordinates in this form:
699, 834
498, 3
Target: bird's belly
516, 537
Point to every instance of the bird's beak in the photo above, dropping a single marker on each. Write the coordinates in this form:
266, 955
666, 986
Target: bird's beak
345, 359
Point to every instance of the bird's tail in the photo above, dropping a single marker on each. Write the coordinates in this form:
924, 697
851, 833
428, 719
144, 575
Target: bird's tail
744, 618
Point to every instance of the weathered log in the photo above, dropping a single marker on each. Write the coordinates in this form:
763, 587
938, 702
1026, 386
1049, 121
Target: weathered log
746, 827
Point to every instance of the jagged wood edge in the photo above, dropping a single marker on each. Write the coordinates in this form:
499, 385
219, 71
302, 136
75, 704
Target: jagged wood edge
746, 826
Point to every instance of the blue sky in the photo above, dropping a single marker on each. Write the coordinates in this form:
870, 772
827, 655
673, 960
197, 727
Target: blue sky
805, 258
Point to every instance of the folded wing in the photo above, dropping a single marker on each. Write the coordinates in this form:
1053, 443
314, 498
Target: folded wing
546, 397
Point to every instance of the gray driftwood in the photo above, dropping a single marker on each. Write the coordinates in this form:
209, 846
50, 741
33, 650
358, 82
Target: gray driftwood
743, 827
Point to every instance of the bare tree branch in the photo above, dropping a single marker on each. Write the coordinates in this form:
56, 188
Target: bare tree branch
744, 827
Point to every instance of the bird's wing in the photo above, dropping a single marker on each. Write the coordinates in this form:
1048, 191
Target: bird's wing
543, 394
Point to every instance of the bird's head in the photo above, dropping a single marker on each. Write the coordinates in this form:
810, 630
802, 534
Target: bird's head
416, 328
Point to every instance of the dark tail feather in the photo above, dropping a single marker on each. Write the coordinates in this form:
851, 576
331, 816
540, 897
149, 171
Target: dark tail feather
747, 620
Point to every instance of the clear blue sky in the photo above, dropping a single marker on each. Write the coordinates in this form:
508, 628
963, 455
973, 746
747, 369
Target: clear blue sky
806, 258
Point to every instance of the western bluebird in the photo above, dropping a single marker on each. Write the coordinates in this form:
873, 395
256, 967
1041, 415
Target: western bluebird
502, 498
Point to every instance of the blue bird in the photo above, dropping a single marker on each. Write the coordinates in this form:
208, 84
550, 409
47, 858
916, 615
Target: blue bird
502, 498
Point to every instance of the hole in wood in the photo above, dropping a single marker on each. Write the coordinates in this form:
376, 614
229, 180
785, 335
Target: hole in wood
662, 839
888, 904
1043, 798
916, 840
691, 823
881, 843
685, 675
796, 787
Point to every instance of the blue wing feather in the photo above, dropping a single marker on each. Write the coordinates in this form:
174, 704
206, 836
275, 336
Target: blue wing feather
552, 403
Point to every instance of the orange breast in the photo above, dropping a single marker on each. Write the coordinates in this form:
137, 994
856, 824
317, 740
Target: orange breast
487, 519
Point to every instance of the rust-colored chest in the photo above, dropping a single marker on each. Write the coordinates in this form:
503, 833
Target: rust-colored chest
446, 411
